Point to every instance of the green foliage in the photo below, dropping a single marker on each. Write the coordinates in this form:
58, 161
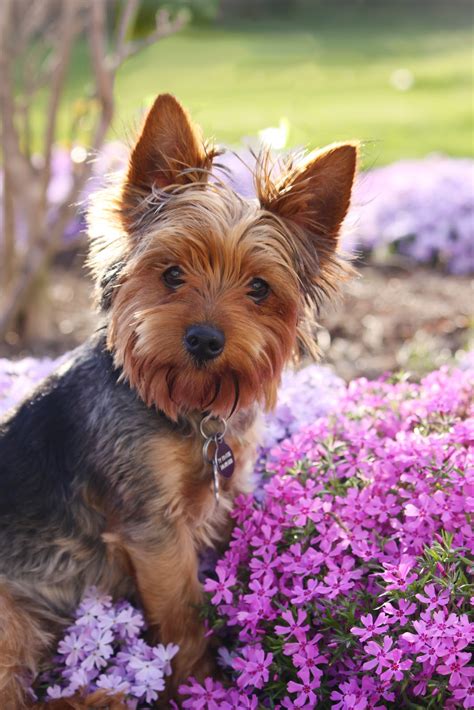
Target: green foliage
331, 71
200, 12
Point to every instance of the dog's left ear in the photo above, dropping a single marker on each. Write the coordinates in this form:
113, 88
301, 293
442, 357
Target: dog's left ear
170, 151
315, 194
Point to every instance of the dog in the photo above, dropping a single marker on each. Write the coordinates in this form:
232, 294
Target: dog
115, 472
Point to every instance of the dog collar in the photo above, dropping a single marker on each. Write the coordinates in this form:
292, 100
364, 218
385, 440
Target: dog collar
215, 451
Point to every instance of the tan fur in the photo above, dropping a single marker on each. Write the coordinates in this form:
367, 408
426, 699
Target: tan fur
99, 700
186, 490
222, 252
22, 641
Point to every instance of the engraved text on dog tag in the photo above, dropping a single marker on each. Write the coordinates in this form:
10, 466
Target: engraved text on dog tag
224, 459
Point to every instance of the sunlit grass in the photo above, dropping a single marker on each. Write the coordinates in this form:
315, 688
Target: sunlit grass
329, 72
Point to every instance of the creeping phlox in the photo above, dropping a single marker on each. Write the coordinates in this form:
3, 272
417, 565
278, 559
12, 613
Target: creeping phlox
103, 650
349, 585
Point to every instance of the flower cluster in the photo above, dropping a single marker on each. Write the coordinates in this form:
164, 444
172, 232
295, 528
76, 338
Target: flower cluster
304, 395
421, 209
350, 585
103, 650
17, 379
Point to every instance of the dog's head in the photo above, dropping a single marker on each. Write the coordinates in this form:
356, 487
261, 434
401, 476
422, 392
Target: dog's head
207, 294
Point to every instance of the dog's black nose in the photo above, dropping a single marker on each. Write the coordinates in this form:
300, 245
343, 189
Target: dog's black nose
204, 342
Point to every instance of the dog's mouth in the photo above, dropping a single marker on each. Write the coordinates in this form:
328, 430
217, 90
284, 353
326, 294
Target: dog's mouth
219, 391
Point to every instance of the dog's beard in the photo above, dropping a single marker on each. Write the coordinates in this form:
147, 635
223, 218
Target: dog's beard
207, 395
177, 391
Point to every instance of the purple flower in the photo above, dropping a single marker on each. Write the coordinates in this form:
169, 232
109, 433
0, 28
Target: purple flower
395, 665
372, 628
421, 208
114, 682
305, 695
221, 587
294, 625
455, 666
433, 597
165, 654
72, 646
207, 696
129, 622
253, 667
399, 614
385, 488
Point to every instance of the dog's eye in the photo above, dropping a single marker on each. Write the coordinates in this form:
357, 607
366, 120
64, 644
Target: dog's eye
173, 277
259, 290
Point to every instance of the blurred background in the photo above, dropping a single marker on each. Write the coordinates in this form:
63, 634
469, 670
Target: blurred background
77, 75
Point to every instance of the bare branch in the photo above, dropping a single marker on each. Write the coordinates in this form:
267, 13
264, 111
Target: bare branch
68, 29
14, 161
164, 27
34, 16
104, 76
128, 14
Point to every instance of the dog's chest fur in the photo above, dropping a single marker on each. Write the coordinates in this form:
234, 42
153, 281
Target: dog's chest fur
184, 479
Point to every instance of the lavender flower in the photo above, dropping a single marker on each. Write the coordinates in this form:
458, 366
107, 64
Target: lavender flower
423, 209
102, 650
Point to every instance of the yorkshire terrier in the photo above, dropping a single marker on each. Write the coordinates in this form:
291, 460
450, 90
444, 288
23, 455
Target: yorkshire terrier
125, 462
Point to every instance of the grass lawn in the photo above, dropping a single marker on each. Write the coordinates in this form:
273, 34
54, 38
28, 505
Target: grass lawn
329, 71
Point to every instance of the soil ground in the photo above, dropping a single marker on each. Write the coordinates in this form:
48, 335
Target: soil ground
391, 318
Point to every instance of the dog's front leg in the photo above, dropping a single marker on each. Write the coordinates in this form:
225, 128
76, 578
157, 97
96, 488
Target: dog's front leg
166, 574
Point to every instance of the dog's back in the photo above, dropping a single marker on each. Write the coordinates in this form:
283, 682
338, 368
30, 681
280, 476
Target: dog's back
60, 452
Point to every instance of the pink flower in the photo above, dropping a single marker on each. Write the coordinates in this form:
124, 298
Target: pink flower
267, 538
372, 628
398, 576
395, 665
221, 586
400, 614
465, 692
455, 667
293, 624
433, 597
262, 590
207, 696
379, 653
238, 701
253, 667
304, 690
306, 509
302, 595
338, 582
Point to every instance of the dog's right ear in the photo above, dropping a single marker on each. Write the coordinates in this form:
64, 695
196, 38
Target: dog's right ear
170, 151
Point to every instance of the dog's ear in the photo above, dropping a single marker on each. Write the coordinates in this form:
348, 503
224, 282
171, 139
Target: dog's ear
315, 194
169, 151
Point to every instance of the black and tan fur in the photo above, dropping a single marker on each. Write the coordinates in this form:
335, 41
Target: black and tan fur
102, 479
